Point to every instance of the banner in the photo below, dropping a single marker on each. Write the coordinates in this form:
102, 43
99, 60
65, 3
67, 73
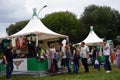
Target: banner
20, 64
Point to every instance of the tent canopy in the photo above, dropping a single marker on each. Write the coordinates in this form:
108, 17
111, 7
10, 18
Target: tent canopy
92, 38
35, 26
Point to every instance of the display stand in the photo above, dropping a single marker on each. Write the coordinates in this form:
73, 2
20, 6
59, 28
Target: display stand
27, 64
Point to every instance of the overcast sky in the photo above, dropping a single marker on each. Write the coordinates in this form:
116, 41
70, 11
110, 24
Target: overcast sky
12, 11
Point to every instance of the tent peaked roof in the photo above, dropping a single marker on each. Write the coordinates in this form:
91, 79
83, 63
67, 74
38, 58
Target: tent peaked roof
35, 26
92, 38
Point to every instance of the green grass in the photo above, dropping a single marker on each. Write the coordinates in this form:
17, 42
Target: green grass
92, 75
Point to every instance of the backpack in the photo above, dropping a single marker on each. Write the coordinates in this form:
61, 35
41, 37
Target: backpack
55, 56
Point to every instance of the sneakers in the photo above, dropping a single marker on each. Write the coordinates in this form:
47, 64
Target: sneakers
108, 71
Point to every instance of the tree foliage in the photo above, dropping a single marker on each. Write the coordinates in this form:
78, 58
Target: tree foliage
104, 19
64, 23
13, 28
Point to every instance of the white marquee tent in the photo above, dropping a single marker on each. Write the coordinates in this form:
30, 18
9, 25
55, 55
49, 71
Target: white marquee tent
92, 38
35, 26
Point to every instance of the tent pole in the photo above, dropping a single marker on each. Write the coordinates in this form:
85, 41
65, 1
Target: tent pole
36, 40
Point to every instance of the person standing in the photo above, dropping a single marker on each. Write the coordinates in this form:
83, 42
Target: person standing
76, 57
53, 57
8, 58
118, 55
63, 58
95, 56
84, 54
68, 56
41, 52
106, 52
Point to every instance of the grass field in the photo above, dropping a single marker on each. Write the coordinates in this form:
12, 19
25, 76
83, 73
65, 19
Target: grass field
92, 75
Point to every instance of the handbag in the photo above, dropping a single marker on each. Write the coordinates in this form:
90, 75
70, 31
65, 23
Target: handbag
52, 70
89, 61
96, 62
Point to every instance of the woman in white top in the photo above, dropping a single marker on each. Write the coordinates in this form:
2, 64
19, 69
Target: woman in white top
63, 56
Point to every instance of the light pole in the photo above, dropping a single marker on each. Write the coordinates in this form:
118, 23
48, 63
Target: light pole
41, 9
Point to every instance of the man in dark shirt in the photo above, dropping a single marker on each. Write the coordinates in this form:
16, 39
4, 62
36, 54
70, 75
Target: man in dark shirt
8, 58
95, 57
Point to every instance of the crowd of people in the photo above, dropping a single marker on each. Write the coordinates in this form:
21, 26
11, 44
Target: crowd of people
68, 58
72, 58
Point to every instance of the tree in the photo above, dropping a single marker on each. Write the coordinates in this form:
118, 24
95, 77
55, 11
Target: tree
13, 28
105, 20
64, 23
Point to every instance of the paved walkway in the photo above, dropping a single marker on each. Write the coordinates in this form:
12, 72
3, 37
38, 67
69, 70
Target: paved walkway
29, 73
